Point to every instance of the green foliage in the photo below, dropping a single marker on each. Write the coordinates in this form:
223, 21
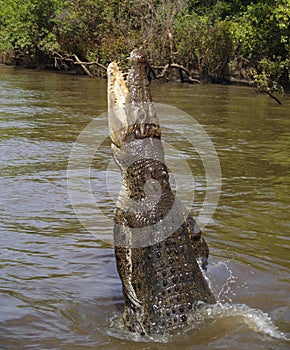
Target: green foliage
81, 24
27, 26
261, 36
205, 36
267, 76
204, 47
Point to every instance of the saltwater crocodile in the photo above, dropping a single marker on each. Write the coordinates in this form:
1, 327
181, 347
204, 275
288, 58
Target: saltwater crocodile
156, 243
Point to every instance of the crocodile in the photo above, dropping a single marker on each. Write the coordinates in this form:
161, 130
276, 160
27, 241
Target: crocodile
157, 243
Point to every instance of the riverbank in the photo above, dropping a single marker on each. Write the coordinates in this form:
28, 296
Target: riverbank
71, 64
55, 61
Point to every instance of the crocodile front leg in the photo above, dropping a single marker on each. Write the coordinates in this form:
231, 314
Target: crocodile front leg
199, 245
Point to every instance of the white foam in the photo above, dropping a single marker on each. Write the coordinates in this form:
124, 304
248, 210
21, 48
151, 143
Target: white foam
256, 319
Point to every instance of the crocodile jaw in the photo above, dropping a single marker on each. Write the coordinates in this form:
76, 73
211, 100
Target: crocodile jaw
131, 112
117, 97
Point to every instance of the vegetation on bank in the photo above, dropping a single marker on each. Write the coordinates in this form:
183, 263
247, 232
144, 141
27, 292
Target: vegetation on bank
207, 40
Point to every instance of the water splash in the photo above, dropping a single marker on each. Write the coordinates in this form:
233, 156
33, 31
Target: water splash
227, 317
230, 283
222, 318
226, 288
257, 320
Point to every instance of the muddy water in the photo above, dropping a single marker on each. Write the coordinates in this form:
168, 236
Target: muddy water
59, 286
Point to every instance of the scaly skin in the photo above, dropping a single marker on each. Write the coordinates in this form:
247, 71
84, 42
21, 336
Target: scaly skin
162, 281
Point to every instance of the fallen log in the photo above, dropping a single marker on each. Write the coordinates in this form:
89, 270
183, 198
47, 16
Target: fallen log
180, 67
78, 61
64, 61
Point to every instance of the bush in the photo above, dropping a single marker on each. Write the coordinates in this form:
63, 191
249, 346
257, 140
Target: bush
204, 47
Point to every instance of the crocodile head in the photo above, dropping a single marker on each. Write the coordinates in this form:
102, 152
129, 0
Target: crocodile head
131, 112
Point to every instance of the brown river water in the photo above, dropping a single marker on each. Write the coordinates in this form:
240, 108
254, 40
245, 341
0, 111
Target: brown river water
59, 286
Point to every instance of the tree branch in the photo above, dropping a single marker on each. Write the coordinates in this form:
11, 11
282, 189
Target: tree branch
176, 66
74, 60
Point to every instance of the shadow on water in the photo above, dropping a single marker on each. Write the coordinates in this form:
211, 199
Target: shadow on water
59, 285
